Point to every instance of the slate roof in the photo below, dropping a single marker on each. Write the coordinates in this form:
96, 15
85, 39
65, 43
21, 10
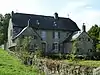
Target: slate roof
43, 22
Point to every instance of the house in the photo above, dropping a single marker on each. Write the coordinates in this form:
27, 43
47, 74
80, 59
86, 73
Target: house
49, 33
84, 43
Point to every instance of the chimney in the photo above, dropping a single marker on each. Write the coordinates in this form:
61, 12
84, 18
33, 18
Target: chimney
12, 13
84, 27
56, 15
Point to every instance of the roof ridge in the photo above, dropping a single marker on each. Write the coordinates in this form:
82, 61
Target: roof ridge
41, 15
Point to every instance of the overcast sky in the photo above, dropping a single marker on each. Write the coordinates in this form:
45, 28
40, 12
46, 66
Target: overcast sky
87, 11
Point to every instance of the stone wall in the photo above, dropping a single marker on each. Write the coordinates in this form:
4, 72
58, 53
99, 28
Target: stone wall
54, 67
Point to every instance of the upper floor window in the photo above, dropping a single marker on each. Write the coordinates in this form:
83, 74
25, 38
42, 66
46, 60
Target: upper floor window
43, 35
56, 35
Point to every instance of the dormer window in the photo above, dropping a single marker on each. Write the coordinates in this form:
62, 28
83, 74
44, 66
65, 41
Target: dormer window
55, 24
37, 22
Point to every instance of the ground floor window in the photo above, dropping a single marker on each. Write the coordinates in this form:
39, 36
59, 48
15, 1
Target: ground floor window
89, 50
78, 49
55, 46
44, 46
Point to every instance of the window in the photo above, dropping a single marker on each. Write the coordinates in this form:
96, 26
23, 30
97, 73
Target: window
56, 35
79, 39
43, 35
35, 46
44, 46
11, 32
55, 24
77, 49
89, 50
37, 22
55, 46
31, 47
88, 39
35, 37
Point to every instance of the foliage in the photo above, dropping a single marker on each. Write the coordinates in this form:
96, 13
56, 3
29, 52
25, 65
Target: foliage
4, 22
98, 47
89, 63
94, 31
38, 53
94, 34
55, 56
22, 49
74, 47
71, 57
10, 65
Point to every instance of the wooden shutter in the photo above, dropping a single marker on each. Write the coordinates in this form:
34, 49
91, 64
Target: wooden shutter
53, 35
53, 46
59, 47
58, 34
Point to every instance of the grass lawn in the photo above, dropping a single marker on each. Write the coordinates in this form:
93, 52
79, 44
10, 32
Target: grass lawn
10, 65
90, 63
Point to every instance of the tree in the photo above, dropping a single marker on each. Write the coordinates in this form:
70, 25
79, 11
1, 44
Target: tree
4, 22
1, 29
5, 25
94, 34
94, 31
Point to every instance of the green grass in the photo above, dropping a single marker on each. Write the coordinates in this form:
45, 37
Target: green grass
10, 65
89, 63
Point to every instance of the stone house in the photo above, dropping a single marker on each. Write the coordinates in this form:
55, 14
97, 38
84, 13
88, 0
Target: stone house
84, 43
51, 34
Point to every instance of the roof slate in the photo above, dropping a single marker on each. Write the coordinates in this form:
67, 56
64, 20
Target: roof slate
43, 22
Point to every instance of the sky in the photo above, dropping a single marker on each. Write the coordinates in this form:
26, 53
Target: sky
80, 11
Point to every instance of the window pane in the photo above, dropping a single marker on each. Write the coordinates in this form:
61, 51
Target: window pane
56, 35
43, 35
44, 46
55, 46
35, 37
59, 34
11, 33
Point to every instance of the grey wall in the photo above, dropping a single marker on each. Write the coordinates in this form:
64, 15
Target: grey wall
49, 38
83, 44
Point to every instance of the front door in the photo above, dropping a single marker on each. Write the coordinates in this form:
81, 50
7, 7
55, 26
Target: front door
44, 47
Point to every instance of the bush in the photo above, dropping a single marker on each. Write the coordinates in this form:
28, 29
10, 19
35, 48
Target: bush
55, 56
39, 53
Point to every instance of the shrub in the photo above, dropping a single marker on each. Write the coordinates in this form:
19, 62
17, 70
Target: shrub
39, 53
55, 56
